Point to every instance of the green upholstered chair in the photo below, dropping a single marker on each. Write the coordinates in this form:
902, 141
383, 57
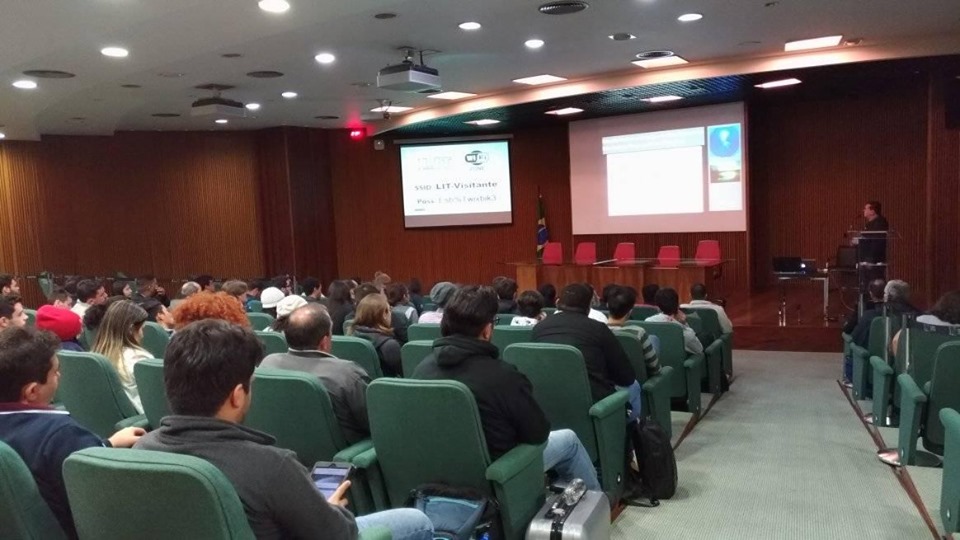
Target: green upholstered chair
505, 319
294, 407
876, 346
347, 326
90, 389
561, 387
121, 493
429, 306
87, 338
641, 313
950, 489
259, 321
656, 390
273, 342
31, 317
711, 324
155, 339
409, 417
412, 353
45, 280
359, 351
254, 306
920, 406
504, 336
153, 395
23, 512
423, 331
706, 325
687, 368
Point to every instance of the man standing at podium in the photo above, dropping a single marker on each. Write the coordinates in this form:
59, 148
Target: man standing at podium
873, 245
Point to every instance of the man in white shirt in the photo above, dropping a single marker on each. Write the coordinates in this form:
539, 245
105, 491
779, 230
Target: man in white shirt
668, 301
89, 293
698, 293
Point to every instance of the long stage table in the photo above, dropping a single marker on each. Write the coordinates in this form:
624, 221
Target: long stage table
530, 275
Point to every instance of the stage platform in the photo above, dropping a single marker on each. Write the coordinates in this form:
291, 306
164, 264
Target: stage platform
757, 324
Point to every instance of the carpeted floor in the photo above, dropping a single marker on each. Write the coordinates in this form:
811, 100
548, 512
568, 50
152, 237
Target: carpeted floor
782, 455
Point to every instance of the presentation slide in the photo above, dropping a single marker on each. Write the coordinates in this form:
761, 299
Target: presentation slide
667, 171
455, 184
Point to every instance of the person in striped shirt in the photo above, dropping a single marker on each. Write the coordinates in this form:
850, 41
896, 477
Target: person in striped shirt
620, 302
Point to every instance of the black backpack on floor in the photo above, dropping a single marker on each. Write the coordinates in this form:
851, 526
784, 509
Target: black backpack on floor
658, 466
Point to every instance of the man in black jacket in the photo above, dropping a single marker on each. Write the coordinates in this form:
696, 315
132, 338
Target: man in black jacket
508, 412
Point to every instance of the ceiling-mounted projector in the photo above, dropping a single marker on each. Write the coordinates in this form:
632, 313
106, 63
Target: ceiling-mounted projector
408, 76
217, 105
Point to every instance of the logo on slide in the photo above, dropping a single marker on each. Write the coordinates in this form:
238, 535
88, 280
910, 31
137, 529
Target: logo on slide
476, 157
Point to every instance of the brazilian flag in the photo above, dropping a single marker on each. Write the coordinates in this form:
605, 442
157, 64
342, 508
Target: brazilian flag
543, 235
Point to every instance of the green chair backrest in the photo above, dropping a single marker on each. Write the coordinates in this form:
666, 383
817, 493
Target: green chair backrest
950, 490
878, 340
347, 326
634, 348
87, 338
924, 340
153, 394
90, 389
23, 512
123, 493
31, 317
696, 323
412, 353
710, 321
429, 306
640, 313
155, 339
259, 321
295, 408
560, 386
359, 351
273, 342
505, 319
672, 352
504, 336
254, 306
944, 394
46, 284
423, 331
425, 431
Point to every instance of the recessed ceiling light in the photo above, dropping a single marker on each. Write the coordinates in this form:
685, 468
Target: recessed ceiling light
252, 106
483, 122
289, 95
325, 58
622, 36
221, 121
779, 83
539, 79
391, 109
565, 111
451, 95
660, 62
812, 43
114, 52
661, 99
25, 84
534, 43
690, 17
470, 25
3, 135
274, 6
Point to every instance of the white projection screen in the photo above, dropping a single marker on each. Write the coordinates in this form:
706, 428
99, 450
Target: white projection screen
456, 184
667, 171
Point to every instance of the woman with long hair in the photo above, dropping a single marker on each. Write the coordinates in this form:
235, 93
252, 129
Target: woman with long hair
119, 340
340, 303
372, 322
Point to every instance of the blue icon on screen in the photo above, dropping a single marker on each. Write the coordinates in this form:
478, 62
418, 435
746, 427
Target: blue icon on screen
724, 140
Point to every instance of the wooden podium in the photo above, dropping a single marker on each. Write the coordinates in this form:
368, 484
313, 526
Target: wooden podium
530, 275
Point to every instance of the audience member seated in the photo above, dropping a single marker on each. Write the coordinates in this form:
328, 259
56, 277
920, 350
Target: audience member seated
372, 322
380, 280
42, 436
204, 306
148, 291
872, 308
649, 291
9, 285
946, 312
549, 293
698, 295
508, 412
593, 312
122, 288
89, 293
507, 293
416, 294
207, 375
403, 310
119, 340
605, 293
313, 291
11, 311
159, 314
530, 309
283, 282
607, 364
269, 298
95, 313
205, 281
621, 302
237, 289
339, 303
60, 299
189, 289
668, 302
286, 306
440, 294
308, 333
63, 323
254, 288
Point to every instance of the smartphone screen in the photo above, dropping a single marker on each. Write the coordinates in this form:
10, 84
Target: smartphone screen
328, 476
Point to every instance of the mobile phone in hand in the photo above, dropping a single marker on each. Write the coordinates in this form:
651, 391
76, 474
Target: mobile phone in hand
328, 475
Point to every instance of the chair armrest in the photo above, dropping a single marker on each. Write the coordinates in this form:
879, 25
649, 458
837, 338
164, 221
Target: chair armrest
514, 461
365, 459
139, 421
879, 366
349, 453
614, 404
609, 417
847, 338
376, 533
857, 350
912, 408
661, 379
909, 391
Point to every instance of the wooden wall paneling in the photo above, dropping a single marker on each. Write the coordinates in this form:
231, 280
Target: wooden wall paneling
943, 194
276, 214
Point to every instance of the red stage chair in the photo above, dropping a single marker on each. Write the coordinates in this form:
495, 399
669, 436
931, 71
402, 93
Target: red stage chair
585, 254
708, 252
553, 253
625, 254
668, 256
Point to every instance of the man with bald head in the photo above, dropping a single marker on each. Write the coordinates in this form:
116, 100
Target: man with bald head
308, 336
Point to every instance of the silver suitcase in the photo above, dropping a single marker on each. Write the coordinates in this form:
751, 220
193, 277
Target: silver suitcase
586, 519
